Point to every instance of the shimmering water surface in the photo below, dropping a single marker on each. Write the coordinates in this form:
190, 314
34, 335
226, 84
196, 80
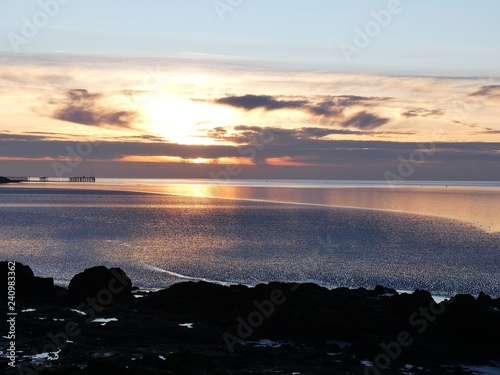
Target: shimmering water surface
160, 239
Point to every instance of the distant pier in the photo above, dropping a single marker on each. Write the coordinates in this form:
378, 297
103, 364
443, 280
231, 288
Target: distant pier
47, 179
82, 179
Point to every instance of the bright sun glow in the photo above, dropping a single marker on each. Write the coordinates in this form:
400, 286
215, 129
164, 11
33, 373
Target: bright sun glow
184, 121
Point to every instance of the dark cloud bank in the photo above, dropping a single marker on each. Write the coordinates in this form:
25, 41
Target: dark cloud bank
325, 159
331, 108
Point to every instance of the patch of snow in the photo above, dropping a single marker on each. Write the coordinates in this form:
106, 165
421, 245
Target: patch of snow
104, 321
57, 320
78, 311
162, 358
138, 296
28, 310
47, 356
187, 325
367, 363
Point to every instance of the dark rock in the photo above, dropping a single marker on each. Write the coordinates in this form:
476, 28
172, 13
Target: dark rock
381, 290
484, 299
100, 282
26, 283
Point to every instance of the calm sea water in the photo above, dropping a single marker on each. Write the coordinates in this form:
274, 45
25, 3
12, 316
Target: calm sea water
438, 236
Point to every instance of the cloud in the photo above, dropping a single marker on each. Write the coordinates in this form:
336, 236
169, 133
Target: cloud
83, 107
7, 136
316, 151
489, 131
364, 120
268, 103
492, 90
422, 112
309, 147
244, 134
307, 136
328, 106
139, 138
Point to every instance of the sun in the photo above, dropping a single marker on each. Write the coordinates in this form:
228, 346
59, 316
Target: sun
200, 161
181, 120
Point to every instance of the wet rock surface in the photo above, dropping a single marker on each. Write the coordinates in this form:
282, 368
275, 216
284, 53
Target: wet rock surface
277, 328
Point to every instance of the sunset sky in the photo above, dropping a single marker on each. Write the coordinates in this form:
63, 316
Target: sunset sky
256, 89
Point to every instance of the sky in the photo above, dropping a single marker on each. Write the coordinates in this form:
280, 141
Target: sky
222, 89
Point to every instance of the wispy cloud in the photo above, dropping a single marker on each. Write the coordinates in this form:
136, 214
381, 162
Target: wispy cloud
492, 90
364, 120
422, 112
83, 107
243, 134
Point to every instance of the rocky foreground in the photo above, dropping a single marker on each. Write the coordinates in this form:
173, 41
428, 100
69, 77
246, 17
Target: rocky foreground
102, 325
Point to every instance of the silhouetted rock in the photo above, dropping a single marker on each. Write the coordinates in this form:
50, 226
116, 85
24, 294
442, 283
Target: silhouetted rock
100, 282
484, 299
26, 283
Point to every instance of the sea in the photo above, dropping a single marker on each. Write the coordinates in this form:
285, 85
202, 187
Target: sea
440, 236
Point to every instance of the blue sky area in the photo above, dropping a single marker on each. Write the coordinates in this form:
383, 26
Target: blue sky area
459, 37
